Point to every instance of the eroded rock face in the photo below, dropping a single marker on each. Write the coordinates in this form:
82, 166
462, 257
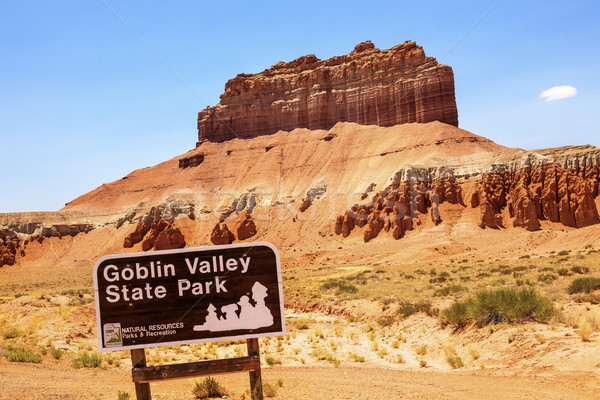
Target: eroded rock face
156, 230
221, 234
367, 86
170, 238
245, 228
393, 209
528, 194
10, 247
542, 192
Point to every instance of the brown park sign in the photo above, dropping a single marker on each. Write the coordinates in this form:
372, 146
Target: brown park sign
190, 295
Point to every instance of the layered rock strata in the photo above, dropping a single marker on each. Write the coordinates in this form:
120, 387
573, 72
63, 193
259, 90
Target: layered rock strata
368, 86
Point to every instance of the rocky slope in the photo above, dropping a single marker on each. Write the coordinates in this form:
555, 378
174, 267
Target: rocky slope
367, 86
361, 149
350, 184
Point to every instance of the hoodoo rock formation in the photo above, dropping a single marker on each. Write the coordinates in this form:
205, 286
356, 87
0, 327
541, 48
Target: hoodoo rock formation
336, 153
367, 86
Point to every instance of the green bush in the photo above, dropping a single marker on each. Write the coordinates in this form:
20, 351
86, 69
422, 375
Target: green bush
122, 395
270, 390
584, 285
87, 360
500, 305
301, 324
547, 278
407, 309
208, 388
449, 290
11, 333
580, 270
20, 354
454, 361
56, 353
342, 287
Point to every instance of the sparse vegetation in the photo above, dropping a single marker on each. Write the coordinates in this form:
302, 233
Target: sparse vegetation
584, 285
421, 350
500, 305
301, 324
342, 286
584, 330
454, 361
21, 354
11, 333
270, 390
56, 353
270, 360
122, 395
208, 388
407, 309
356, 358
87, 360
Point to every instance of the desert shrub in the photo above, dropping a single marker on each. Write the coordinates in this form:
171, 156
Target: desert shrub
342, 287
454, 361
409, 276
11, 333
519, 268
386, 320
356, 358
483, 275
449, 290
423, 363
563, 253
270, 360
578, 269
525, 256
301, 324
208, 388
407, 309
87, 360
56, 353
270, 390
547, 278
584, 285
122, 395
586, 298
438, 279
21, 354
500, 305
584, 329
563, 272
421, 350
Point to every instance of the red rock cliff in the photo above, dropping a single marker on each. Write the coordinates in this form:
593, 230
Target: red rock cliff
367, 86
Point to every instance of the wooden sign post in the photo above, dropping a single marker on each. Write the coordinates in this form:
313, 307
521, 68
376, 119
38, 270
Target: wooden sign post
187, 296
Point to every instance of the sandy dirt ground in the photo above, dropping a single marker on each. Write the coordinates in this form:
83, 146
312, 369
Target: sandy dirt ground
51, 382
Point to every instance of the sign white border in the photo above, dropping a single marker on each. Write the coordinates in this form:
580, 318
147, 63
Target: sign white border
103, 348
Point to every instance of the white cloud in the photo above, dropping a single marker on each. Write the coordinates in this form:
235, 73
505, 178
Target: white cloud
558, 92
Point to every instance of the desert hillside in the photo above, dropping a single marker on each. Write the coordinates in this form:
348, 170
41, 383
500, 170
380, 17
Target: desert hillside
391, 222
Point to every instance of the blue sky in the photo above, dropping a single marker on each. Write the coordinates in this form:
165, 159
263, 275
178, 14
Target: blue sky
84, 99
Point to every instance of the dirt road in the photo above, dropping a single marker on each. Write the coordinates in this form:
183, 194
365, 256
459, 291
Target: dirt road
27, 381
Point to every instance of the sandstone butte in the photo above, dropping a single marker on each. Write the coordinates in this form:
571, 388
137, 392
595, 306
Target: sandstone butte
320, 167
367, 86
